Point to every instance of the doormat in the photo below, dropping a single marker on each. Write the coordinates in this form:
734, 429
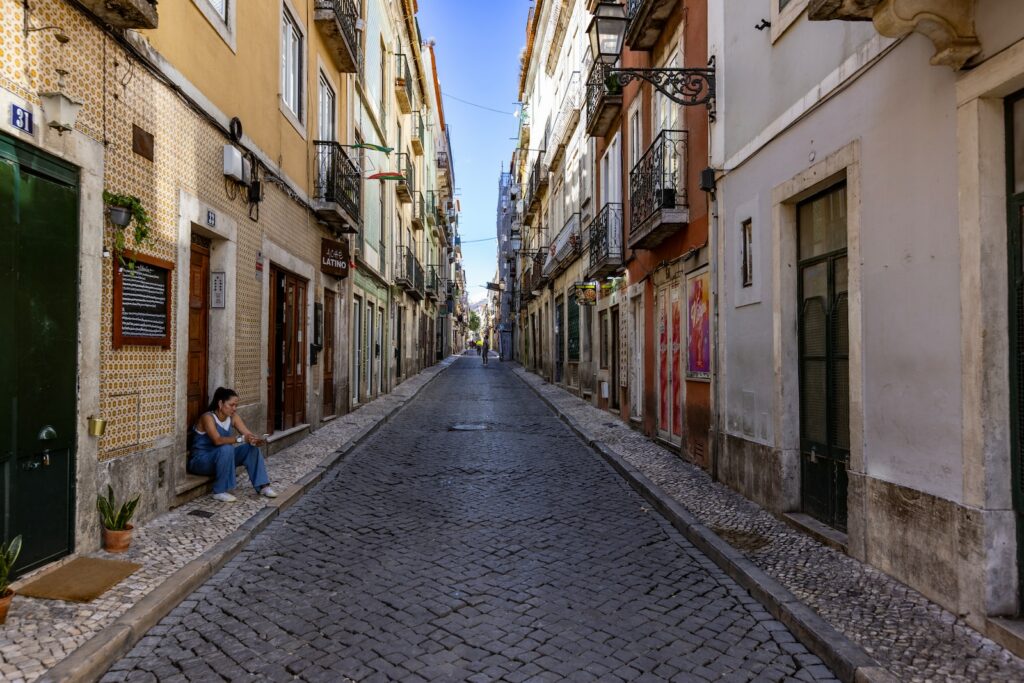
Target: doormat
81, 580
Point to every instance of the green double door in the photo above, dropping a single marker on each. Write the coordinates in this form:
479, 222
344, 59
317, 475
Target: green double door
38, 350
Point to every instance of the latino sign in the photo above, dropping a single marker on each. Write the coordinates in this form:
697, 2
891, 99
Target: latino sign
334, 257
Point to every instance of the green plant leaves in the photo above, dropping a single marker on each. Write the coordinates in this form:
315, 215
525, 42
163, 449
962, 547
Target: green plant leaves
8, 556
112, 517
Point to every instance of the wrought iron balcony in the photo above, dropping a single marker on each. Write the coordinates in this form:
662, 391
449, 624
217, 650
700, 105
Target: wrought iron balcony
418, 132
538, 179
647, 19
604, 100
409, 273
124, 13
431, 283
407, 185
565, 248
336, 20
657, 191
565, 123
338, 187
431, 208
403, 84
605, 241
444, 176
419, 207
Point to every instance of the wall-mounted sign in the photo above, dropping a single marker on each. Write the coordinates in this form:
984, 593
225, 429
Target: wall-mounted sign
211, 218
334, 258
142, 302
218, 289
21, 119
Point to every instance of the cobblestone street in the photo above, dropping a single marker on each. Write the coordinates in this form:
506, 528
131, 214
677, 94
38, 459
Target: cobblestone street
510, 552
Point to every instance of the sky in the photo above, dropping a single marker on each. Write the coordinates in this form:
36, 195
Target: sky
478, 43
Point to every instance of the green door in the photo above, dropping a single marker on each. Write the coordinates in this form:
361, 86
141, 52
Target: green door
824, 357
38, 350
1015, 247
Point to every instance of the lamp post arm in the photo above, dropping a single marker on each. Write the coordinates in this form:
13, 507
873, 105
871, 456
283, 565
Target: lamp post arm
690, 86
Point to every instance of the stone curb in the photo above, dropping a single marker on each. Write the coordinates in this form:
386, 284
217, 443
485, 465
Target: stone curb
847, 660
89, 662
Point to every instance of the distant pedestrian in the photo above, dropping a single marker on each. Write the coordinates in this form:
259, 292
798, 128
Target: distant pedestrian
486, 349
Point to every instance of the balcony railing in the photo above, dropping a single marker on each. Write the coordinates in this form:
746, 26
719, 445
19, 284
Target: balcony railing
647, 19
419, 207
418, 132
338, 187
407, 186
431, 207
604, 100
337, 22
123, 13
606, 241
566, 247
538, 179
657, 191
565, 123
431, 283
409, 273
403, 83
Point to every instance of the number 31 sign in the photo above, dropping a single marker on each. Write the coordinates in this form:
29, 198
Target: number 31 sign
21, 119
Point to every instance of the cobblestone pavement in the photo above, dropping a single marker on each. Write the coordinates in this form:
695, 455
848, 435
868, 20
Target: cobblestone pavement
510, 553
40, 633
912, 637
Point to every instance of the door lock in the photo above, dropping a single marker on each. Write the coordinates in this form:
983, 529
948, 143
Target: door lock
45, 459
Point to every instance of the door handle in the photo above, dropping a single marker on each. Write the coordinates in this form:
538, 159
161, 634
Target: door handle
45, 459
47, 433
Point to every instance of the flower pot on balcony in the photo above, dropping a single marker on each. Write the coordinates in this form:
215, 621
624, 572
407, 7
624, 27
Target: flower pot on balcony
666, 198
120, 216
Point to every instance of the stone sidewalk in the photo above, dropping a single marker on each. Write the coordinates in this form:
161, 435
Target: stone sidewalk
176, 549
910, 636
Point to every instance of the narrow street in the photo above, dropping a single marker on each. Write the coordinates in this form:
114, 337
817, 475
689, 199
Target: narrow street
510, 552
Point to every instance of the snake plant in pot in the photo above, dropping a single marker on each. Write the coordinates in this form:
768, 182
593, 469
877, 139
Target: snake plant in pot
8, 556
117, 532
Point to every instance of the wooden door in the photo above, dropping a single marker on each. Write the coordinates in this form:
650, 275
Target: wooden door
613, 389
330, 303
287, 351
198, 328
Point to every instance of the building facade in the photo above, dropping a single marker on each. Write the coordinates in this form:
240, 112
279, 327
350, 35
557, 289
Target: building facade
274, 210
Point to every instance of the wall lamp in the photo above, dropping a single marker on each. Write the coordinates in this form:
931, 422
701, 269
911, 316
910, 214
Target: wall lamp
686, 86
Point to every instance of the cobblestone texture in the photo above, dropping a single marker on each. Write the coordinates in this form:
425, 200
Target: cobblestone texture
40, 633
511, 553
911, 636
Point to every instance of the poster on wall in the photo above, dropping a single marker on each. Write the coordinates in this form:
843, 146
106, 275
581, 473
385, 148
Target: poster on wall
698, 352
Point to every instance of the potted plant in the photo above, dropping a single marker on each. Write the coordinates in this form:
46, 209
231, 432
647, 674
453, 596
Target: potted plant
8, 556
125, 209
117, 532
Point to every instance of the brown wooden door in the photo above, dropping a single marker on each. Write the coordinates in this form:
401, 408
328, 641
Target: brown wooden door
330, 301
198, 328
287, 351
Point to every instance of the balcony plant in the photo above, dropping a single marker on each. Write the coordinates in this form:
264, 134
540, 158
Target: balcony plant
124, 210
117, 531
8, 556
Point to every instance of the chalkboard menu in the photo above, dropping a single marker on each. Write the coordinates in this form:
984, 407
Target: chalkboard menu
142, 302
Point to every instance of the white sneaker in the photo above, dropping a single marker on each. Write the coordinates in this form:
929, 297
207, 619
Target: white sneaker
268, 492
224, 497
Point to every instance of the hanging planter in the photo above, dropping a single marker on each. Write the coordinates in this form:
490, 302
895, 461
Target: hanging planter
124, 210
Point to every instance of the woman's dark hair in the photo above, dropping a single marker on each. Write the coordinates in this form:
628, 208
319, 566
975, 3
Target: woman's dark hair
222, 394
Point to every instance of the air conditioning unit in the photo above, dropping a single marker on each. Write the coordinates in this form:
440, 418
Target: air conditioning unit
236, 166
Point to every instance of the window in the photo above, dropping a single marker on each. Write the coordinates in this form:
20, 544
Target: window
291, 64
634, 135
382, 220
326, 108
747, 230
220, 7
784, 14
383, 83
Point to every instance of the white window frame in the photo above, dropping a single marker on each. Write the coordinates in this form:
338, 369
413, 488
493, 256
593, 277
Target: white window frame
784, 18
298, 70
326, 108
223, 22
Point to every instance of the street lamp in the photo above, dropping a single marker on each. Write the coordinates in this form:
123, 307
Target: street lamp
687, 86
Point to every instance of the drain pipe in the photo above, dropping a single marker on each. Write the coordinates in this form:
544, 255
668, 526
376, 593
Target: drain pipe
708, 184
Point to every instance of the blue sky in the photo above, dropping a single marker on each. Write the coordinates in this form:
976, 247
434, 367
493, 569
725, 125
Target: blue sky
478, 43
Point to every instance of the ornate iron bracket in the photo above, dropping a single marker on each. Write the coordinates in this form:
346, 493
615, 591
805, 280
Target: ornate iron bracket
685, 86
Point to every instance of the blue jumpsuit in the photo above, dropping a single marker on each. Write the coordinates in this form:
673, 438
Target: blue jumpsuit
208, 459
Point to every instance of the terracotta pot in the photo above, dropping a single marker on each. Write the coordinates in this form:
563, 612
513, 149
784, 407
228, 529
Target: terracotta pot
5, 604
117, 541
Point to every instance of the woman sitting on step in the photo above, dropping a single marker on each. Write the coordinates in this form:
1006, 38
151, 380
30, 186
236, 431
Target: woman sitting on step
215, 452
